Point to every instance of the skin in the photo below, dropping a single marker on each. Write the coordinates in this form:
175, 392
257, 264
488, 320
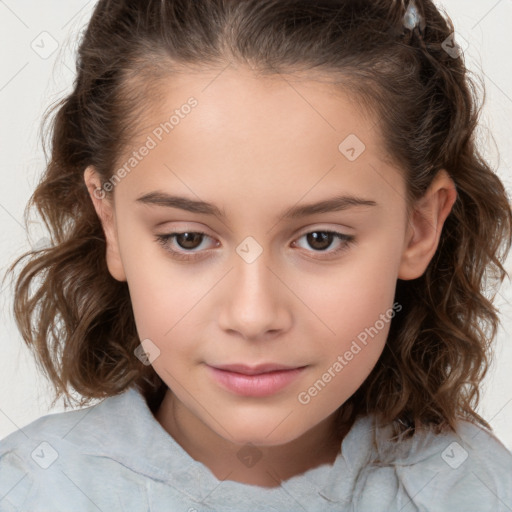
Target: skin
254, 146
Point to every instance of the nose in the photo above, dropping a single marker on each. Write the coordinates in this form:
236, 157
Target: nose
254, 304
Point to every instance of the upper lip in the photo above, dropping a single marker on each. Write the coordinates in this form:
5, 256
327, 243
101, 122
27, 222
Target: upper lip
254, 370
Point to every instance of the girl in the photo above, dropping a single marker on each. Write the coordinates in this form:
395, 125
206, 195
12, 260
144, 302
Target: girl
271, 231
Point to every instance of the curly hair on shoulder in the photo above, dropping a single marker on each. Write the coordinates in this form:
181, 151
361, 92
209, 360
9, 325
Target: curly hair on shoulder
78, 319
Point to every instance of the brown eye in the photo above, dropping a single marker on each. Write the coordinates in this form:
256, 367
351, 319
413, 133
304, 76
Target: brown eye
189, 240
320, 240
182, 246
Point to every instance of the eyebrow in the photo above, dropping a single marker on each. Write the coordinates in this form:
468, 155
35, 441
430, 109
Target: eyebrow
337, 203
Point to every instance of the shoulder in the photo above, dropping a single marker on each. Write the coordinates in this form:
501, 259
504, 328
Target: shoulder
40, 438
469, 469
49, 461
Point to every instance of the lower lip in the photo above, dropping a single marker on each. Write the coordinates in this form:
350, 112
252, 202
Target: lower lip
263, 384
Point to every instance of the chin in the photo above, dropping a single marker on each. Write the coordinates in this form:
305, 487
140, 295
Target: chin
259, 440
267, 434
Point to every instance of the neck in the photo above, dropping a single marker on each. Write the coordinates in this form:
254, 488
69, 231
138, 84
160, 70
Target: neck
265, 466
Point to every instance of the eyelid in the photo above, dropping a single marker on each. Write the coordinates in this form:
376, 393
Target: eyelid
298, 233
324, 227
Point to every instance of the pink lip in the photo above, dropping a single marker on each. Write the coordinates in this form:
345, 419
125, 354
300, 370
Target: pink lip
262, 380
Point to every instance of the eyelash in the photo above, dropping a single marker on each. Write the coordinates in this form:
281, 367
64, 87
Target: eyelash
163, 240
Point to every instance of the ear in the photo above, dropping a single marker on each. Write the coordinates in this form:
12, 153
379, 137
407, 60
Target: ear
425, 226
106, 213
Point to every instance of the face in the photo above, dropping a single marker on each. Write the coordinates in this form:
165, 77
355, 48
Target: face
249, 285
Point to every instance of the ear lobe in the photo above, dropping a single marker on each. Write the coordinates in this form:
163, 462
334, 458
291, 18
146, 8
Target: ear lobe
106, 213
425, 226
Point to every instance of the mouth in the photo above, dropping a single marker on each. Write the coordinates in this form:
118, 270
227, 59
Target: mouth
255, 381
255, 370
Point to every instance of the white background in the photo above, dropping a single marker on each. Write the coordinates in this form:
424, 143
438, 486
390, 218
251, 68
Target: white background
29, 83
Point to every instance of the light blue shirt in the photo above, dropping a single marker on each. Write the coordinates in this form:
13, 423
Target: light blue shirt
115, 456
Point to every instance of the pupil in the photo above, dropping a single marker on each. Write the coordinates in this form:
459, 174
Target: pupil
189, 239
313, 237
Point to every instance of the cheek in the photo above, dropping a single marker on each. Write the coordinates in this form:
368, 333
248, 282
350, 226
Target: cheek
165, 312
354, 308
164, 296
350, 296
165, 309
360, 325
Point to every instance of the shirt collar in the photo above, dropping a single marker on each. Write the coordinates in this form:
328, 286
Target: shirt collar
123, 428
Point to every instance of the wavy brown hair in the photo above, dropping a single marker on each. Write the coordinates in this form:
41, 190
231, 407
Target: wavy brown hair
78, 319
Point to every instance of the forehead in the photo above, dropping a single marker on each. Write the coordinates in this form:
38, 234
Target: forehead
259, 135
